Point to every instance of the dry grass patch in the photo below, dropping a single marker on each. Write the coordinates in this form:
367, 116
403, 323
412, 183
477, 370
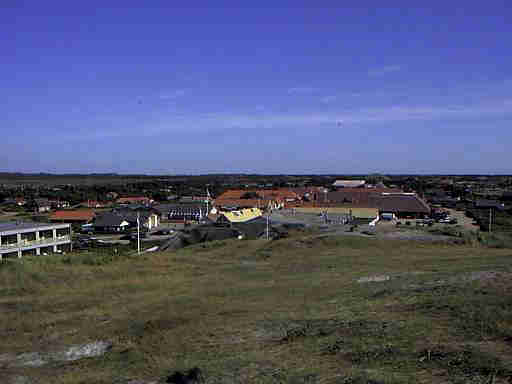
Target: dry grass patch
289, 311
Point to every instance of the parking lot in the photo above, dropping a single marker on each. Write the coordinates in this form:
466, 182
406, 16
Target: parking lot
463, 220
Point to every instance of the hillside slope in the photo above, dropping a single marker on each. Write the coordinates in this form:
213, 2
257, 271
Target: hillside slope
305, 309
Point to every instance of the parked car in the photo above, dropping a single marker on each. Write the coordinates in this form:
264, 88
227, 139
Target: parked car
448, 220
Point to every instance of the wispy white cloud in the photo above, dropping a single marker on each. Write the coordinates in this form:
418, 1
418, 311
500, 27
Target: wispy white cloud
301, 90
384, 70
341, 119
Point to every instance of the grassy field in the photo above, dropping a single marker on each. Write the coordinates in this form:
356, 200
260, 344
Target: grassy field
21, 179
290, 311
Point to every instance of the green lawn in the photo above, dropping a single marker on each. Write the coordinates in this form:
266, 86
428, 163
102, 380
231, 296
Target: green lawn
289, 311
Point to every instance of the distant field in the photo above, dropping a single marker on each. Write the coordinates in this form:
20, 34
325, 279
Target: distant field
290, 311
71, 179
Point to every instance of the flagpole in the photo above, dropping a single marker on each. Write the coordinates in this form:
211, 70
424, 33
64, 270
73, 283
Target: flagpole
207, 200
267, 225
138, 233
268, 219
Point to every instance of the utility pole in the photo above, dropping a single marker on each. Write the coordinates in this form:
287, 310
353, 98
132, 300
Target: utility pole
138, 233
207, 199
268, 219
490, 219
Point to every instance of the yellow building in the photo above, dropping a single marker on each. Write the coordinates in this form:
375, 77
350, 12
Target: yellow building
242, 215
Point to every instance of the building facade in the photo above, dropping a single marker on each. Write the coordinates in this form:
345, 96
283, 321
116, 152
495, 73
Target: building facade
23, 239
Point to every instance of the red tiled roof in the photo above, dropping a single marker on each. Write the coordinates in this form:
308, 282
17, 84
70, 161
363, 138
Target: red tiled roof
370, 190
266, 194
244, 203
360, 196
234, 194
392, 203
77, 215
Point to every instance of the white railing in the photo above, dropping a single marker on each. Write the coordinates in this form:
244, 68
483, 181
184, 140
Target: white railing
27, 243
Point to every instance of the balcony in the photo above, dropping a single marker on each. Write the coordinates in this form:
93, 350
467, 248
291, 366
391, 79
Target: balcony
35, 243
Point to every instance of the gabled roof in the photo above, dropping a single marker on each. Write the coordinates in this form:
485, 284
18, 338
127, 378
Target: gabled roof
76, 215
166, 208
402, 203
259, 198
398, 202
267, 194
131, 216
109, 219
358, 197
242, 203
363, 197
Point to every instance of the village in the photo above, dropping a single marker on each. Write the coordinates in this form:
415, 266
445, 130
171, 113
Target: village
437, 209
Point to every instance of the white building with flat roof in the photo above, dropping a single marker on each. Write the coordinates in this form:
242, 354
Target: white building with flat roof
18, 239
349, 183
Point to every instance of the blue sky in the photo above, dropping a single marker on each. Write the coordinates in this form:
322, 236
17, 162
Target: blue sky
281, 87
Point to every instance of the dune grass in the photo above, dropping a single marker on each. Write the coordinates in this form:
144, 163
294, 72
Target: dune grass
288, 311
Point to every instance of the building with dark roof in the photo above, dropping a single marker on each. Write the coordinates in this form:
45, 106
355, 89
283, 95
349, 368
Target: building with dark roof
358, 197
123, 219
403, 205
111, 222
181, 212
